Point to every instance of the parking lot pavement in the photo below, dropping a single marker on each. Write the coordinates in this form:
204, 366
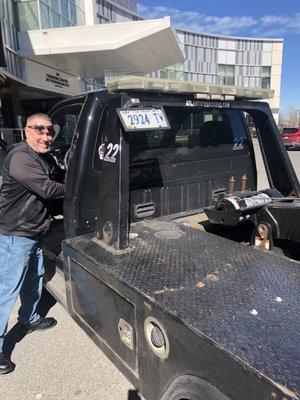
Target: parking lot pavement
64, 364
262, 181
61, 364
295, 158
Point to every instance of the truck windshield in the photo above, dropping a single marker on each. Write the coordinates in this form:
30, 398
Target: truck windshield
195, 134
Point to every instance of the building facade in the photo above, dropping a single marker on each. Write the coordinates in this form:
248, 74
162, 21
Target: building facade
216, 59
250, 62
23, 16
225, 60
116, 11
48, 49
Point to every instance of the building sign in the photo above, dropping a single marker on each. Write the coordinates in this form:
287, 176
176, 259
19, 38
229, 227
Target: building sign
48, 78
57, 80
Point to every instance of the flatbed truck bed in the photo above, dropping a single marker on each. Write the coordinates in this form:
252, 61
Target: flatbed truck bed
238, 304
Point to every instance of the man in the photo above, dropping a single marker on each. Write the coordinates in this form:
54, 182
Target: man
24, 219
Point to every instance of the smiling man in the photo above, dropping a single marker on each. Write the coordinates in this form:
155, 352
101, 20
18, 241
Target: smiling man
24, 219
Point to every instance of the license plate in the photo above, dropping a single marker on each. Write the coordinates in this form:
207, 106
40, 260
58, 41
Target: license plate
143, 119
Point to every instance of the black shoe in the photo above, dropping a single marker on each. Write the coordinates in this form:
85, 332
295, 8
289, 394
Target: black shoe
41, 325
6, 366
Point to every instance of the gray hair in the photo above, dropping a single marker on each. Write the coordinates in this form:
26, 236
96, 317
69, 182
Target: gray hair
38, 115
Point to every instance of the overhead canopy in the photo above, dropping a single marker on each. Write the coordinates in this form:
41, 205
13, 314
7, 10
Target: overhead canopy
129, 47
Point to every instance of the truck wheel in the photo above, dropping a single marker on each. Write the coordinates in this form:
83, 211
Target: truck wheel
189, 387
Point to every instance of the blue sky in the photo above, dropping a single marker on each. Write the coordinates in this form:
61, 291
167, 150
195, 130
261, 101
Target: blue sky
250, 18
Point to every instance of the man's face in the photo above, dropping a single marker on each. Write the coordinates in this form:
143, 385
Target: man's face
39, 133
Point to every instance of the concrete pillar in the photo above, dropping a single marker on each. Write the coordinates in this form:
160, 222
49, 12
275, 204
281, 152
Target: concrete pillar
90, 12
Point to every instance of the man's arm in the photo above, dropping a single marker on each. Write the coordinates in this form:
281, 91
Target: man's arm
26, 170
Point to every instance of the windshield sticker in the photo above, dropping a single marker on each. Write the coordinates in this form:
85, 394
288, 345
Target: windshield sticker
238, 143
207, 104
108, 152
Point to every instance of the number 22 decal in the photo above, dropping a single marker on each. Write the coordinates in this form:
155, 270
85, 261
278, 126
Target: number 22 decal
238, 143
108, 153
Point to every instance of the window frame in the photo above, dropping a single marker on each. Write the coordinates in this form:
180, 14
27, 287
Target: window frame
66, 109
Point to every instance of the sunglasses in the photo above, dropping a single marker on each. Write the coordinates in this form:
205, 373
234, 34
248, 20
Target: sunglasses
42, 128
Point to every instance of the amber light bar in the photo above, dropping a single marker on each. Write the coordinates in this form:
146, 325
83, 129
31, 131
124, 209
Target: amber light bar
200, 91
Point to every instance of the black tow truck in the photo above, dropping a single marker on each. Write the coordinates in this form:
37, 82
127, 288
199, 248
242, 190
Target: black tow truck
176, 266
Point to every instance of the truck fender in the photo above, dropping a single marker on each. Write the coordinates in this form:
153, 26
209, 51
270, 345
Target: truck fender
190, 387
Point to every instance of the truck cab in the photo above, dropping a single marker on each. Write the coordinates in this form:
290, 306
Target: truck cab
169, 295
167, 172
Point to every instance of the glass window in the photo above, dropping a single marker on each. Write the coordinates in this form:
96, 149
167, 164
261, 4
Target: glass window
68, 124
45, 16
55, 20
287, 131
67, 119
65, 8
80, 4
226, 74
54, 4
266, 83
266, 71
171, 74
65, 22
59, 13
7, 34
80, 17
28, 15
194, 135
222, 74
230, 70
73, 14
8, 23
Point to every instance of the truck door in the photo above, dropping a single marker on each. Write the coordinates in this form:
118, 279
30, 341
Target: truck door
66, 118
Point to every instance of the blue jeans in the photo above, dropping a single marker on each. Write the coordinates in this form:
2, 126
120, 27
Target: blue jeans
21, 272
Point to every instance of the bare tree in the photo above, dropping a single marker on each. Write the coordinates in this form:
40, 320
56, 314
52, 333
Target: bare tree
290, 117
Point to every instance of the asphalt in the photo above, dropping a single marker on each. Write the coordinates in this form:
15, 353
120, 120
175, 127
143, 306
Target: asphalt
262, 177
63, 363
60, 364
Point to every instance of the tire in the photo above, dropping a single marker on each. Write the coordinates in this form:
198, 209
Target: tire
189, 387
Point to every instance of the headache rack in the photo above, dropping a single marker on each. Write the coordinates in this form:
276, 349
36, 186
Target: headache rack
200, 90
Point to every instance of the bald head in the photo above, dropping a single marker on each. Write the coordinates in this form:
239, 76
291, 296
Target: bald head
39, 132
38, 116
